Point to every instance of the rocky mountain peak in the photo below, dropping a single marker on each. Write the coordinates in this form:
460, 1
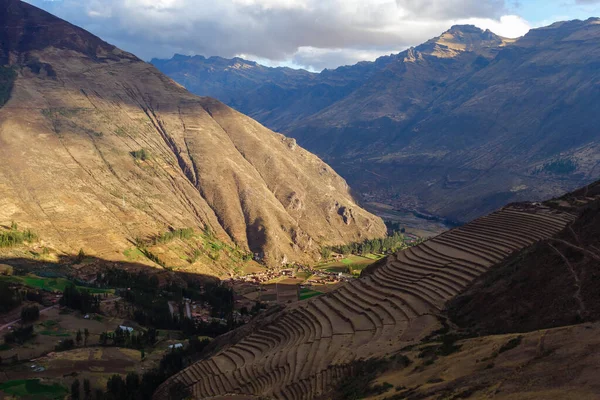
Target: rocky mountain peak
25, 28
461, 38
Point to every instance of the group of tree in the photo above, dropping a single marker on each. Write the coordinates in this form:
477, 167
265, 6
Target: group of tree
14, 236
120, 278
76, 390
124, 338
10, 298
19, 335
385, 245
81, 300
136, 387
169, 236
85, 335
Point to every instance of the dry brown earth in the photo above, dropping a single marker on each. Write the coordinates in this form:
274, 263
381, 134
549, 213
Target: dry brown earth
78, 110
303, 351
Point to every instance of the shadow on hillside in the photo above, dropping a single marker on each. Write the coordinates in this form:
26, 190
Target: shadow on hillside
86, 268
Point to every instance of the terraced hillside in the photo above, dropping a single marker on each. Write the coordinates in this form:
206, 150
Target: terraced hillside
304, 350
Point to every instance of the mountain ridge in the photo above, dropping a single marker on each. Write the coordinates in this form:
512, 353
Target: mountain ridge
483, 120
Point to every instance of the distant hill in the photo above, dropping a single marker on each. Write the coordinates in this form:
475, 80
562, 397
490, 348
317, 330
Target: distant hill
99, 151
455, 127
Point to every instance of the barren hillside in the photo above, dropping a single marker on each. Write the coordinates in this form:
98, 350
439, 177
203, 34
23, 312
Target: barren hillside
98, 148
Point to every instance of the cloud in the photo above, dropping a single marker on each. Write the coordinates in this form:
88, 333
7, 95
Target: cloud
510, 26
316, 33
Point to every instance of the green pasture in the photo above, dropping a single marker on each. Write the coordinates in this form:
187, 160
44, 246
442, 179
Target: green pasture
308, 293
33, 389
49, 284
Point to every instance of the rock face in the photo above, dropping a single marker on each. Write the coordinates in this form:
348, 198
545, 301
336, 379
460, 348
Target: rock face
72, 168
457, 126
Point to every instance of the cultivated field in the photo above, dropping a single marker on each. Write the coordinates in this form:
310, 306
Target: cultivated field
307, 348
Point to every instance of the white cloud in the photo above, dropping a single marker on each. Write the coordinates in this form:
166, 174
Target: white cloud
315, 33
510, 26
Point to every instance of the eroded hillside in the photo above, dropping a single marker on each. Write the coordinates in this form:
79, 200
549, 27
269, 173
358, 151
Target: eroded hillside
98, 149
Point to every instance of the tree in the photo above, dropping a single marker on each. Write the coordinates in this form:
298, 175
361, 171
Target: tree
87, 390
103, 338
75, 389
30, 314
78, 337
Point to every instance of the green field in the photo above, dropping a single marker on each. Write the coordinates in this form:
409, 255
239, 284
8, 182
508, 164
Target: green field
33, 389
307, 294
351, 260
49, 284
51, 328
303, 275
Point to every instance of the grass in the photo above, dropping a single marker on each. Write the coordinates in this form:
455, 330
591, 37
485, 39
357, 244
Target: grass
352, 260
53, 329
55, 334
33, 389
49, 284
303, 275
133, 254
307, 294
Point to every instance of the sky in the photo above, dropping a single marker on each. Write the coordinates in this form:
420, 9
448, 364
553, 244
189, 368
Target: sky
310, 34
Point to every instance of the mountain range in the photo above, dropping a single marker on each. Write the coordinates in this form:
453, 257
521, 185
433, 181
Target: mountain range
455, 127
100, 152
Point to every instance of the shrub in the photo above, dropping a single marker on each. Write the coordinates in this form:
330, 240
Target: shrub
65, 345
511, 344
141, 154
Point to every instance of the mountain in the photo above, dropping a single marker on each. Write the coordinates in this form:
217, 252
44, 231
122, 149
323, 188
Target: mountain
527, 267
458, 126
99, 151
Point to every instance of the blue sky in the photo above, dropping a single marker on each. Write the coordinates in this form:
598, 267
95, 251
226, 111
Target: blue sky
543, 12
312, 34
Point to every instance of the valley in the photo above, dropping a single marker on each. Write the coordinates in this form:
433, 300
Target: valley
455, 127
442, 242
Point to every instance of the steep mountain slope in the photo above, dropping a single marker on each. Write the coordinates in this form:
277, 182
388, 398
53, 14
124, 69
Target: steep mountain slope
488, 276
481, 120
72, 167
554, 283
526, 329
303, 351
